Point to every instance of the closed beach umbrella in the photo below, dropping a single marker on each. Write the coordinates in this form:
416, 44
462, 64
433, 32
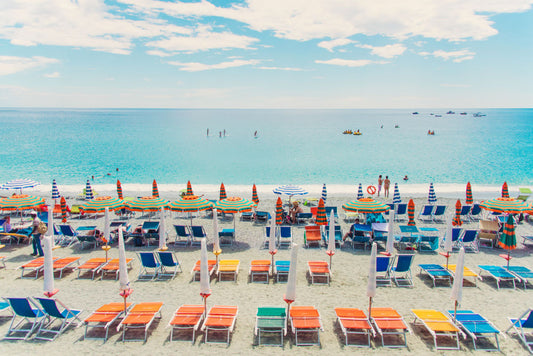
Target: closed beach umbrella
331, 240
360, 194
272, 242
448, 239
321, 218
190, 203
508, 238
390, 233
457, 220
457, 287
162, 232
189, 188
216, 240
396, 199
505, 205
222, 194
279, 212
21, 202
143, 204
155, 191
505, 190
234, 205
55, 191
98, 205
124, 281
255, 197
119, 190
290, 191
205, 290
48, 266
19, 184
411, 213
372, 272
88, 191
63, 209
107, 227
432, 198
469, 199
366, 206
290, 292
324, 195
50, 230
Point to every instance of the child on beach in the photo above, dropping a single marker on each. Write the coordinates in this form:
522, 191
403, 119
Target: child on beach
386, 186
380, 183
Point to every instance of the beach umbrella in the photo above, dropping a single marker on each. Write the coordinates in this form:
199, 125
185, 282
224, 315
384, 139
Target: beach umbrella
19, 184
88, 191
469, 200
432, 198
216, 240
396, 199
48, 267
143, 204
390, 234
290, 292
155, 191
255, 197
205, 290
372, 275
290, 191
162, 232
321, 218
234, 205
107, 232
360, 194
331, 240
508, 238
272, 242
324, 195
189, 204
222, 194
448, 239
366, 206
63, 203
21, 202
505, 190
189, 188
457, 287
457, 220
411, 213
119, 190
99, 204
279, 212
55, 191
124, 281
505, 205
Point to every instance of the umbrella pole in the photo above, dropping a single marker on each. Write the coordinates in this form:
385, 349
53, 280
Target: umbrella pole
330, 259
508, 258
369, 307
455, 311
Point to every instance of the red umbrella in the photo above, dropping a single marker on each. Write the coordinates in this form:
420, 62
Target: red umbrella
321, 218
255, 197
119, 190
63, 210
222, 192
279, 212
155, 191
508, 238
469, 199
411, 213
457, 220
189, 188
505, 190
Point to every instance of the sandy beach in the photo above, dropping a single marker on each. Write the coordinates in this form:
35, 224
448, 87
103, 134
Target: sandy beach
347, 288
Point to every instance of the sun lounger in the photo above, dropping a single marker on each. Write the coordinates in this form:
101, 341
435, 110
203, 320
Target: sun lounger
527, 239
436, 272
489, 230
469, 240
383, 265
439, 213
141, 316
312, 235
303, 217
198, 233
523, 326
195, 271
228, 267
438, 325
524, 274
92, 266
31, 316
183, 235
499, 274
285, 237
260, 268
170, 265
56, 312
320, 270
220, 319
525, 193
281, 269
271, 321
467, 272
401, 271
476, 326
401, 212
103, 318
150, 266
35, 265
112, 266
4, 306
62, 264
426, 213
187, 317
354, 322
305, 320
388, 322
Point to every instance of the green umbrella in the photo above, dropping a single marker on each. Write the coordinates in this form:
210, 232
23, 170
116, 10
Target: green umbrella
366, 206
321, 218
505, 205
508, 238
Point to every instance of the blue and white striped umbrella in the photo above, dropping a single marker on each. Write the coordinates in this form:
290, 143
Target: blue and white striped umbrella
290, 190
324, 193
55, 191
396, 199
19, 184
432, 198
88, 191
360, 192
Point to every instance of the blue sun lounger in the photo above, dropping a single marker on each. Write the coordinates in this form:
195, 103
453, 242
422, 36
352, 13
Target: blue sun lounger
436, 272
524, 274
476, 326
500, 274
523, 325
30, 318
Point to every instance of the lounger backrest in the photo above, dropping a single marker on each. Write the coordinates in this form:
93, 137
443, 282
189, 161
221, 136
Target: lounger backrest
314, 210
271, 311
402, 209
67, 230
150, 225
148, 259
21, 307
403, 263
267, 231
50, 307
528, 323
181, 230
382, 263
312, 228
427, 209
439, 210
456, 232
285, 231
198, 231
465, 209
476, 209
469, 235
167, 259
488, 225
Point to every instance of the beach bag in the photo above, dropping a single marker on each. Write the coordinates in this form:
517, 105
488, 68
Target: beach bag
42, 228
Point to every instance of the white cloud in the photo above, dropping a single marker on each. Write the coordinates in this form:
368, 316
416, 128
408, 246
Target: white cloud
330, 45
52, 75
388, 51
282, 68
350, 62
455, 56
11, 64
196, 67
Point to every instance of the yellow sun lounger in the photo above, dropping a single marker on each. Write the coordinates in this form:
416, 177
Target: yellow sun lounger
467, 272
438, 325
228, 267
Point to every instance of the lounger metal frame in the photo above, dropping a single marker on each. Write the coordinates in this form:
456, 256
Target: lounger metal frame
436, 273
475, 318
189, 326
436, 334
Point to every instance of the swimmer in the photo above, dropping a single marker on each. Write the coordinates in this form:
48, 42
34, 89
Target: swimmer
406, 178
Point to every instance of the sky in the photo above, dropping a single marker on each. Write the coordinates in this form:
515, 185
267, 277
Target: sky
266, 53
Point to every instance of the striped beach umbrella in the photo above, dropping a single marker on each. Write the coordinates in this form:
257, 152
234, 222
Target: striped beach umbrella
290, 191
505, 190
21, 202
55, 191
508, 237
146, 204
366, 206
155, 191
321, 217
222, 194
469, 200
88, 191
99, 204
255, 197
190, 203
411, 213
19, 184
432, 198
234, 205
457, 219
505, 205
279, 212
324, 195
63, 210
360, 194
396, 199
119, 190
189, 188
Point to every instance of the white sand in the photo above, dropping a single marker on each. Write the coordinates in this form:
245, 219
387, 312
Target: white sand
347, 289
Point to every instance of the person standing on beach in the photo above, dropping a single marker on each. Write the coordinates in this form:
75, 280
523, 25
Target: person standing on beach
386, 186
380, 183
36, 236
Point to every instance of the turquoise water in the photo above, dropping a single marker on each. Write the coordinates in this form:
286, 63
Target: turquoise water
293, 146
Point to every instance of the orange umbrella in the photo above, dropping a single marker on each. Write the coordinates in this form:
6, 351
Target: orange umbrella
321, 218
155, 191
255, 197
279, 212
411, 213
505, 190
222, 192
469, 200
457, 220
189, 188
63, 210
119, 190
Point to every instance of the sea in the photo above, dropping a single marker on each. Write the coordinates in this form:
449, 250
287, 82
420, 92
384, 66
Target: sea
269, 147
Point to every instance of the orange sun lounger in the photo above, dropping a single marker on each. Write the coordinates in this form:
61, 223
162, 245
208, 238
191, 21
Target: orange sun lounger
187, 317
221, 318
112, 267
306, 320
104, 317
387, 321
259, 268
312, 235
319, 269
354, 322
62, 264
35, 265
211, 264
92, 265
141, 316
438, 324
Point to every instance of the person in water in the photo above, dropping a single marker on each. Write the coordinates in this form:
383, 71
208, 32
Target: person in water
406, 178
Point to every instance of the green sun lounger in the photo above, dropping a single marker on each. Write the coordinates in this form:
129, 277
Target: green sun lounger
273, 321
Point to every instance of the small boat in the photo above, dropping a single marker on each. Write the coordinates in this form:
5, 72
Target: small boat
438, 115
396, 126
478, 114
357, 133
450, 113
463, 113
415, 113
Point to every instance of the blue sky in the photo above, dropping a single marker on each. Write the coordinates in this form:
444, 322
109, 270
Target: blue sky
266, 53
